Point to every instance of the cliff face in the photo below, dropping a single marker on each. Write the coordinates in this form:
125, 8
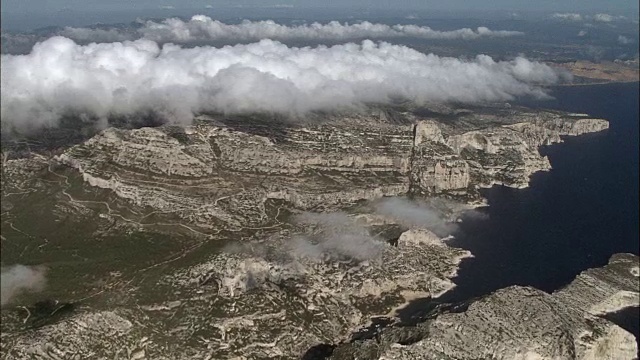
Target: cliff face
522, 323
260, 308
330, 162
605, 290
277, 264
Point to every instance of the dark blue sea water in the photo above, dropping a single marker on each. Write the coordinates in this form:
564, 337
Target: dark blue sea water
570, 219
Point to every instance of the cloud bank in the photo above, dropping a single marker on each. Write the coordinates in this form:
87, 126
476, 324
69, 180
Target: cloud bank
204, 28
567, 16
600, 17
606, 17
415, 215
102, 80
624, 40
339, 237
20, 278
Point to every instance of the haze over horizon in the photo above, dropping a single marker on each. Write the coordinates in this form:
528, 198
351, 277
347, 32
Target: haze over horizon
60, 76
287, 66
411, 179
33, 14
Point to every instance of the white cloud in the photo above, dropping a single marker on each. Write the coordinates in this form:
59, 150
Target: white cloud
167, 7
608, 17
338, 237
203, 28
124, 78
415, 214
582, 33
20, 278
567, 16
603, 17
624, 40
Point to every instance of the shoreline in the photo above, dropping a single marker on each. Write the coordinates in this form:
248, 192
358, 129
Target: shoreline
598, 83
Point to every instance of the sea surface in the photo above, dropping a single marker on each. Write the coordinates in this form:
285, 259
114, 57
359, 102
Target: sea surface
570, 219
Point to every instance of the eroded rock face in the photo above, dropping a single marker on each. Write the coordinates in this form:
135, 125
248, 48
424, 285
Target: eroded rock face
223, 172
318, 301
520, 323
91, 334
605, 290
524, 323
268, 298
283, 286
286, 308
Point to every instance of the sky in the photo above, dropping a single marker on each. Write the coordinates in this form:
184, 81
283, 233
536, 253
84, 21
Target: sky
550, 5
172, 67
106, 79
31, 14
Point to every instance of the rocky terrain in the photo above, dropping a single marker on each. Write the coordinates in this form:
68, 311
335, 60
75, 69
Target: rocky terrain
520, 323
277, 238
604, 71
223, 172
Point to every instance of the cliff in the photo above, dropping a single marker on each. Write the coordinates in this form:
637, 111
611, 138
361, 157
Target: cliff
327, 162
290, 242
521, 323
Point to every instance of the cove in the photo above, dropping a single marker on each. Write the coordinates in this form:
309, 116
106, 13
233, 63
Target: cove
570, 219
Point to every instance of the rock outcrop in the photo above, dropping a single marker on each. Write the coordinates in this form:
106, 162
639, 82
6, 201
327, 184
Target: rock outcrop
261, 299
285, 239
291, 307
223, 170
605, 290
521, 323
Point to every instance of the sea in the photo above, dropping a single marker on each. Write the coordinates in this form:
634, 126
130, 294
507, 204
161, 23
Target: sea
571, 218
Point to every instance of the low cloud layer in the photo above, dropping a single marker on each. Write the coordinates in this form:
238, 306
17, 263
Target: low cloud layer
201, 28
414, 214
606, 17
600, 17
338, 237
204, 28
625, 40
17, 279
125, 78
567, 16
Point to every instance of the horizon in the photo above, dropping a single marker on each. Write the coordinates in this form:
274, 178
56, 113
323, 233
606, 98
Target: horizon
29, 16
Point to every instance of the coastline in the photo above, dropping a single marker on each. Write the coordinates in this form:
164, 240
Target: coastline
599, 83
